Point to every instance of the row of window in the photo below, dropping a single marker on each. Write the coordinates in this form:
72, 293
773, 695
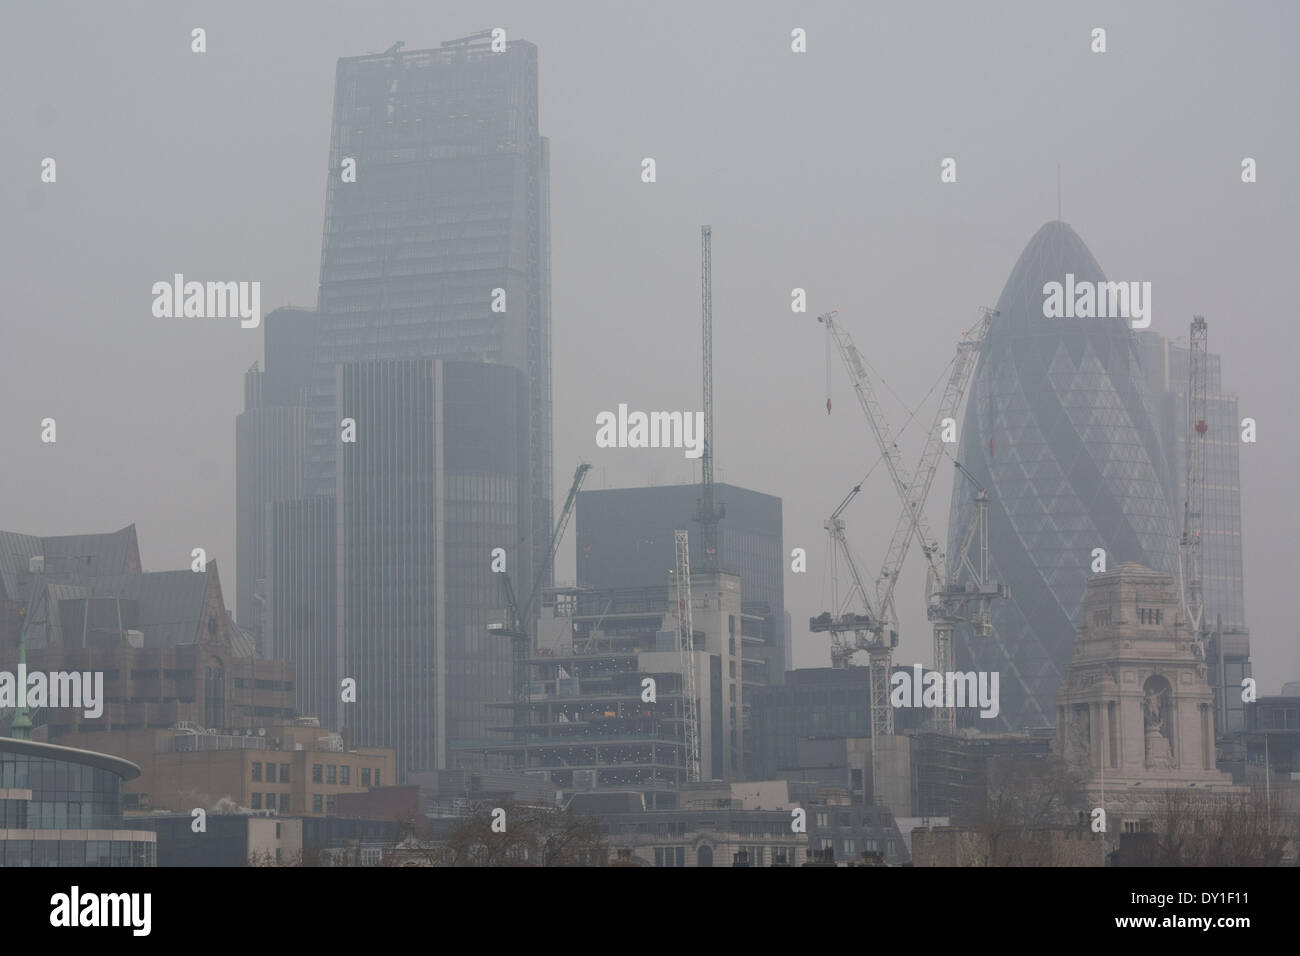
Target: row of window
342, 774
76, 853
328, 804
242, 683
271, 802
270, 772
153, 674
754, 855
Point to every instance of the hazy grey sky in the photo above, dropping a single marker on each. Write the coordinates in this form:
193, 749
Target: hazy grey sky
817, 170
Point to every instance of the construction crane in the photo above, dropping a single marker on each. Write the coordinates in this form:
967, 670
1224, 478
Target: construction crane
912, 491
942, 610
950, 601
868, 634
708, 512
841, 620
686, 653
1189, 544
518, 624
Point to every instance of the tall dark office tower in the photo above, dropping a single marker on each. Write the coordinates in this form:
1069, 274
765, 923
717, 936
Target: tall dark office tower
1222, 576
434, 482
1059, 430
441, 246
270, 442
435, 257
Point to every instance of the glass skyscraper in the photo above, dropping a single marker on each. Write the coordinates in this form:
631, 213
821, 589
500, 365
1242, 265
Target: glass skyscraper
1060, 431
432, 333
1222, 575
451, 203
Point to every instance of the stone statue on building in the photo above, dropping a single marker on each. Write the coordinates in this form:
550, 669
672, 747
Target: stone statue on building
1158, 753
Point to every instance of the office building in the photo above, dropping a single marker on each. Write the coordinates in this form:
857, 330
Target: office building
60, 806
1221, 559
626, 540
376, 564
1059, 430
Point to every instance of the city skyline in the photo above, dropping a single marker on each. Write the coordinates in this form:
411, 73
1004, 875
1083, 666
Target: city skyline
756, 396
948, 345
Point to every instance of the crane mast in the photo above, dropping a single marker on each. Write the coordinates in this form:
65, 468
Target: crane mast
950, 600
707, 511
914, 493
686, 651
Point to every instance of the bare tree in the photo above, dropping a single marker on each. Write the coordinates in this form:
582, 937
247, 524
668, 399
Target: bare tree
1025, 794
268, 858
1209, 829
525, 836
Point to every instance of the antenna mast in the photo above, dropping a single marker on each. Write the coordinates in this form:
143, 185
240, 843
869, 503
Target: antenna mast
707, 512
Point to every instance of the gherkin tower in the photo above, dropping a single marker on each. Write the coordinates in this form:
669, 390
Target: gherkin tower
1059, 430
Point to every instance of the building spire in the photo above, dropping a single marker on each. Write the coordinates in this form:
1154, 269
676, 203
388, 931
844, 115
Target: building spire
20, 728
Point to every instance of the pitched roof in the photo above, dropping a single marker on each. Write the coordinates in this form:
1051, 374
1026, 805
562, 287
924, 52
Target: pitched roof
171, 607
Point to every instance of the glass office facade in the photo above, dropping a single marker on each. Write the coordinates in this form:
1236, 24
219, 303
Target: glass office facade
60, 806
434, 482
1059, 429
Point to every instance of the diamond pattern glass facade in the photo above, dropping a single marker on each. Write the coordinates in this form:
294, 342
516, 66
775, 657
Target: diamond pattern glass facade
1059, 430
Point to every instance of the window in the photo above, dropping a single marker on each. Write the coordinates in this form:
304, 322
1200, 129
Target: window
284, 803
316, 803
823, 820
345, 774
284, 773
257, 801
332, 773
270, 773
277, 831
257, 771
315, 773
376, 776
670, 856
332, 803
365, 776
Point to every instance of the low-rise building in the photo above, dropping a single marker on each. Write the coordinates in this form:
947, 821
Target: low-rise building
61, 806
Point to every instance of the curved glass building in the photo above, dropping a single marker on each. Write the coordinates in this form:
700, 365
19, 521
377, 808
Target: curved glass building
60, 806
1059, 430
